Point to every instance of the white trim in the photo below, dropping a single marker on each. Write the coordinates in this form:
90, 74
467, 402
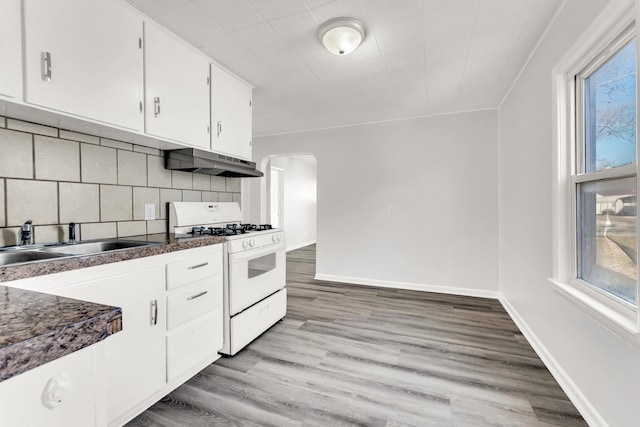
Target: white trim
586, 409
608, 25
615, 320
469, 292
300, 245
399, 119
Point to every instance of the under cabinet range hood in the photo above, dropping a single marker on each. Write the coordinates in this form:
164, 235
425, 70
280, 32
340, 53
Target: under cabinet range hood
208, 163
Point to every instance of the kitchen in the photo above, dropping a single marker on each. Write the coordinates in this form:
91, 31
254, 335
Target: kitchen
484, 198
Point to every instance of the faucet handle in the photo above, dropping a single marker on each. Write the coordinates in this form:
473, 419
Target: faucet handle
72, 232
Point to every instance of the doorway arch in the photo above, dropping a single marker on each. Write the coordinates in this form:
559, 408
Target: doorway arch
297, 207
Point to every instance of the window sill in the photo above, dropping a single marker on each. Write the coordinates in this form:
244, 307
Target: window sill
624, 326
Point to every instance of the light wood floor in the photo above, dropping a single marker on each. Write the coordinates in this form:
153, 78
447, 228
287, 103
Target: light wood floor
350, 355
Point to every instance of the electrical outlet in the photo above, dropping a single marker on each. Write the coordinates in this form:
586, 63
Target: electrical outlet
149, 212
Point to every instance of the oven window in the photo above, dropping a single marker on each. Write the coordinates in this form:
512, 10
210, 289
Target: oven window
261, 265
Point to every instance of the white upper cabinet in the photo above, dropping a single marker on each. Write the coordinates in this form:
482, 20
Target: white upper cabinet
230, 114
176, 90
10, 65
83, 57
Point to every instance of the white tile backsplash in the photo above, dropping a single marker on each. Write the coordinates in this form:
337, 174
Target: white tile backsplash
157, 226
143, 196
218, 183
16, 154
166, 196
31, 128
225, 197
56, 159
100, 230
209, 196
132, 168
99, 164
182, 180
132, 228
116, 144
116, 203
34, 200
233, 185
158, 175
50, 233
100, 184
80, 137
201, 182
2, 204
79, 202
191, 196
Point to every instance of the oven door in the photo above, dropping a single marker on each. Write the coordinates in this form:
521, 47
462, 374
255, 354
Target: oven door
255, 274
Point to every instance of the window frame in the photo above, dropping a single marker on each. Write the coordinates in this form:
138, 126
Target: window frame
601, 41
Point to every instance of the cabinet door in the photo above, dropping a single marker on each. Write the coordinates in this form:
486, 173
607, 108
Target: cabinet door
29, 399
135, 357
84, 57
176, 90
10, 65
231, 115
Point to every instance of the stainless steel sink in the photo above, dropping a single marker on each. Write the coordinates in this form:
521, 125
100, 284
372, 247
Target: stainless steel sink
96, 247
24, 256
12, 255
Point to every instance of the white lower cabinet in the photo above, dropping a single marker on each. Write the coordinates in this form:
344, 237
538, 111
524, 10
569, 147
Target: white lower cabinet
135, 356
194, 313
172, 328
66, 392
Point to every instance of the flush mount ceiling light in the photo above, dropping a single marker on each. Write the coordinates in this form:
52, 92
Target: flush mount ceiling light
341, 36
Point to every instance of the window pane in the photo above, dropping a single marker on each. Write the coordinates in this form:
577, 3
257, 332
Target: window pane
607, 236
610, 112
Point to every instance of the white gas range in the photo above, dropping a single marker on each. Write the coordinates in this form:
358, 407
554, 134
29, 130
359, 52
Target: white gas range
255, 296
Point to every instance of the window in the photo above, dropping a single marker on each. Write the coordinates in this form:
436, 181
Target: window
604, 179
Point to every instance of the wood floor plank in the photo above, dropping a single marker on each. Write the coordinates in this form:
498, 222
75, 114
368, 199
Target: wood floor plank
350, 355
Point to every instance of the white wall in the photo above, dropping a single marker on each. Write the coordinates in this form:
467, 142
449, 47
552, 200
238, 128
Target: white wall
410, 203
600, 372
300, 205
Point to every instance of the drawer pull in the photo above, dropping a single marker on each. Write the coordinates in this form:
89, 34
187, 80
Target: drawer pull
154, 312
198, 295
193, 267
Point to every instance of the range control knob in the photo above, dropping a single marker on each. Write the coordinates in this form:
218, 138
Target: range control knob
274, 238
245, 244
279, 237
252, 243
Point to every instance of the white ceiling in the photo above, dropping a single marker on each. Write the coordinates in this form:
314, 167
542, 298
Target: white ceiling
420, 57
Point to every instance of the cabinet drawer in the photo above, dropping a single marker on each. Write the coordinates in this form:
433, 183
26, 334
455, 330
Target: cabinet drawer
193, 344
194, 301
193, 269
246, 326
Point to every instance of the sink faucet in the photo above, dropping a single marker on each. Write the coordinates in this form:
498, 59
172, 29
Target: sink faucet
72, 233
26, 235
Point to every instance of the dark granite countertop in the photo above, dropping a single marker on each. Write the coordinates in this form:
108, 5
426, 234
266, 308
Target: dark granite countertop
37, 328
58, 265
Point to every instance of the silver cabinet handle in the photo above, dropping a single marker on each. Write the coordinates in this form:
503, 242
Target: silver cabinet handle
219, 127
156, 106
198, 295
193, 267
154, 312
45, 59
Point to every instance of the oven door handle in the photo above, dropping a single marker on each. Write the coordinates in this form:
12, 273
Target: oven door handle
255, 253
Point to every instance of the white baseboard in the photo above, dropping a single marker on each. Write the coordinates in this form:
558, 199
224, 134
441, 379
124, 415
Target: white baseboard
300, 245
410, 286
586, 409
